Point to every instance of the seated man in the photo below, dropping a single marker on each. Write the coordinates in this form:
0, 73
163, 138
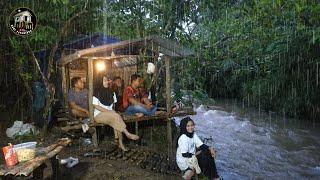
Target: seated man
78, 98
136, 102
117, 87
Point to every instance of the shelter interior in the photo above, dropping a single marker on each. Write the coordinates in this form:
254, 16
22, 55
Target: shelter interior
123, 59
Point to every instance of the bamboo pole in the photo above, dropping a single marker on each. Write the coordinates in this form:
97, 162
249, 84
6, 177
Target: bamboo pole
64, 86
32, 165
90, 96
168, 99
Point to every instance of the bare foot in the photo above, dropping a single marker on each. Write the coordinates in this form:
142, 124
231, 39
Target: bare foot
122, 147
132, 136
160, 113
116, 142
174, 109
188, 174
138, 114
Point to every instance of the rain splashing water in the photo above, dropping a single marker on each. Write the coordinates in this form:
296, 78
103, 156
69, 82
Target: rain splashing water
258, 146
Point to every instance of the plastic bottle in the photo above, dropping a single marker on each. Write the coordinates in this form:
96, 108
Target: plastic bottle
10, 155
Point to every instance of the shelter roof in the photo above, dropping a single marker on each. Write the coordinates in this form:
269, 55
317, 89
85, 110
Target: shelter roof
123, 50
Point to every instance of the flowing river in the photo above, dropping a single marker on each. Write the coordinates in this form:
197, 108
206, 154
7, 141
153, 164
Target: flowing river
252, 144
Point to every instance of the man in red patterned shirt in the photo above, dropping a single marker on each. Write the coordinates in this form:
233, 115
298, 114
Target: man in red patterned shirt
136, 102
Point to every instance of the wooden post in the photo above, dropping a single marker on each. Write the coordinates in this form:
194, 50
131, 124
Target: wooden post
38, 172
168, 99
55, 168
64, 85
154, 82
90, 95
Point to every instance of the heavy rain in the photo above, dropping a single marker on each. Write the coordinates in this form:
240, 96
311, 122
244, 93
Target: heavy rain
118, 89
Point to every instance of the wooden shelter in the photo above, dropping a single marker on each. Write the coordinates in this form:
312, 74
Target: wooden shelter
123, 59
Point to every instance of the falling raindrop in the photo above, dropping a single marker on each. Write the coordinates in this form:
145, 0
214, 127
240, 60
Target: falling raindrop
269, 119
308, 81
313, 37
287, 44
284, 118
317, 74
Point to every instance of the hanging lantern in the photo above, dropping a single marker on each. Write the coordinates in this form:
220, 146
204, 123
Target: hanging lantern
151, 68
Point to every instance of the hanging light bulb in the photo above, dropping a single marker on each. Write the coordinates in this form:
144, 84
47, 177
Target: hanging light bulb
101, 66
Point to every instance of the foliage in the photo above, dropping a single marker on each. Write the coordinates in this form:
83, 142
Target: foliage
17, 51
27, 137
264, 52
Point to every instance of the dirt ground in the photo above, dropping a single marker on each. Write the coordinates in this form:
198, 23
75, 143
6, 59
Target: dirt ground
103, 168
153, 140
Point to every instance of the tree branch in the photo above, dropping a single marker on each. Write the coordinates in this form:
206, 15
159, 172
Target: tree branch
50, 87
36, 62
61, 35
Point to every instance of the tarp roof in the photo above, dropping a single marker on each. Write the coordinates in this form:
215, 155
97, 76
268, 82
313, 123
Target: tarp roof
129, 48
83, 42
90, 41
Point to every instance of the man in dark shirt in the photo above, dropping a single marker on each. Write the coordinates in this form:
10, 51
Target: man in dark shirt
118, 89
78, 98
136, 102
